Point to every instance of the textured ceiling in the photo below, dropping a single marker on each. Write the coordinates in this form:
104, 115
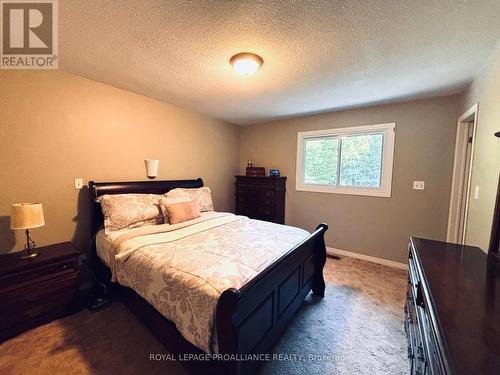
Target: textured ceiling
318, 55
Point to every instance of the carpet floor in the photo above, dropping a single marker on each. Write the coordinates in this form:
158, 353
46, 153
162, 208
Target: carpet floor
356, 329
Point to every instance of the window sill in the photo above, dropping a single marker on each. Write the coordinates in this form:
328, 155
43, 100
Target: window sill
347, 191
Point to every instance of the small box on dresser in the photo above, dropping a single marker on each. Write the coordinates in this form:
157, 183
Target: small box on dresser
261, 198
38, 290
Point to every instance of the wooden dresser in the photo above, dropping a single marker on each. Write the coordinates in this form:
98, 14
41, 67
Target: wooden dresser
261, 198
452, 311
38, 290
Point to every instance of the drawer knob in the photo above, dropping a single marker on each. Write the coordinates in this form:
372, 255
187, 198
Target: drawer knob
34, 311
420, 353
65, 267
420, 296
410, 353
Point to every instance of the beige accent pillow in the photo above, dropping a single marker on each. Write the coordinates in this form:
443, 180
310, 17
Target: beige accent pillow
164, 201
130, 210
202, 196
182, 211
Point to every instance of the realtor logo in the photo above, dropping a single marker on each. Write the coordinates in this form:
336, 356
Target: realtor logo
28, 34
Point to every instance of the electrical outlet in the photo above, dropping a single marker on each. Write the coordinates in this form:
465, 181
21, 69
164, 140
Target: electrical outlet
78, 183
418, 185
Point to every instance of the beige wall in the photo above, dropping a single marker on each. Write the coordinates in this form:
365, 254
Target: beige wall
484, 90
56, 126
424, 148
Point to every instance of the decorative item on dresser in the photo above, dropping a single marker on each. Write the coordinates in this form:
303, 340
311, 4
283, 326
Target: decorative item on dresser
38, 290
274, 172
255, 171
261, 198
452, 311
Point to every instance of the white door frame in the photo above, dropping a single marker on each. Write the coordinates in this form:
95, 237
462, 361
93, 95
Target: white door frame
457, 182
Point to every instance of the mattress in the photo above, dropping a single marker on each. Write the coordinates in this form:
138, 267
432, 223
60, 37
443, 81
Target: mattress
103, 244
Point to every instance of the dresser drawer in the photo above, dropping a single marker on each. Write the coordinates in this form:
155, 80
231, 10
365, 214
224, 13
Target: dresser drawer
428, 337
255, 212
33, 276
253, 191
249, 200
254, 209
63, 301
419, 355
413, 274
20, 298
256, 182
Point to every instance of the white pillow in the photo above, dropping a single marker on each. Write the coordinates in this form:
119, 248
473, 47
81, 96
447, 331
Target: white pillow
130, 210
202, 196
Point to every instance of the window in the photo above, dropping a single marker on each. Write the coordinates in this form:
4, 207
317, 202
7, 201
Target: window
355, 160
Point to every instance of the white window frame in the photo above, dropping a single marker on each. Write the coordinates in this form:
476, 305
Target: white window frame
385, 189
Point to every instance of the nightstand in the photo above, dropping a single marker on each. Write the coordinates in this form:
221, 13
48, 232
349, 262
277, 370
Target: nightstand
38, 290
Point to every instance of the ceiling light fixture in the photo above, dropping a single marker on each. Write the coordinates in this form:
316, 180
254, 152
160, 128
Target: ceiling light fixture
246, 63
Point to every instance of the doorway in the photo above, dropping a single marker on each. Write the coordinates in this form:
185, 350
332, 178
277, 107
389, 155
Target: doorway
461, 180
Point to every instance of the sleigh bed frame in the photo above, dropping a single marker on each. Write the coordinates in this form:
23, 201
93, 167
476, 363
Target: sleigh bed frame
249, 320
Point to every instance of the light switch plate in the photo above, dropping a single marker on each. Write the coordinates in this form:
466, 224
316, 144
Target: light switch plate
78, 183
476, 192
418, 185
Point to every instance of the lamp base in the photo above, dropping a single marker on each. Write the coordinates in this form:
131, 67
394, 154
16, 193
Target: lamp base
32, 254
29, 247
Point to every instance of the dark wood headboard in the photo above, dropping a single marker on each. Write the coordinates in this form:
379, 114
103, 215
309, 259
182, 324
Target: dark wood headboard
146, 187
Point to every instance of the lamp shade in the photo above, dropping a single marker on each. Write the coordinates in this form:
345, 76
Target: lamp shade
26, 216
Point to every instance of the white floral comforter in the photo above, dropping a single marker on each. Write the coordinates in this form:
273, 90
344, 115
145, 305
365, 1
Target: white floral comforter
183, 278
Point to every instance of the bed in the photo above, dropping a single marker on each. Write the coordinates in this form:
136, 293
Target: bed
243, 302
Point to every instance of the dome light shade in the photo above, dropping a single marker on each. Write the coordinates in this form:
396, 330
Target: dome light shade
246, 63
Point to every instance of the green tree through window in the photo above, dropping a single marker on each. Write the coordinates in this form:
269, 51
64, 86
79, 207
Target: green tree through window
360, 160
356, 160
321, 159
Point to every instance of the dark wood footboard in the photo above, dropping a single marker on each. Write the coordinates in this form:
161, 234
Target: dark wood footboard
250, 319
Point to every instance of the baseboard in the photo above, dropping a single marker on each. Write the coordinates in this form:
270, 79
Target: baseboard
368, 258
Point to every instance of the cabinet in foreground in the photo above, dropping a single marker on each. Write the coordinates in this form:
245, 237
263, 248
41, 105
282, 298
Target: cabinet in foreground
452, 310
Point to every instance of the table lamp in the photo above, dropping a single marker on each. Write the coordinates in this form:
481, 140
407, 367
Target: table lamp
27, 216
